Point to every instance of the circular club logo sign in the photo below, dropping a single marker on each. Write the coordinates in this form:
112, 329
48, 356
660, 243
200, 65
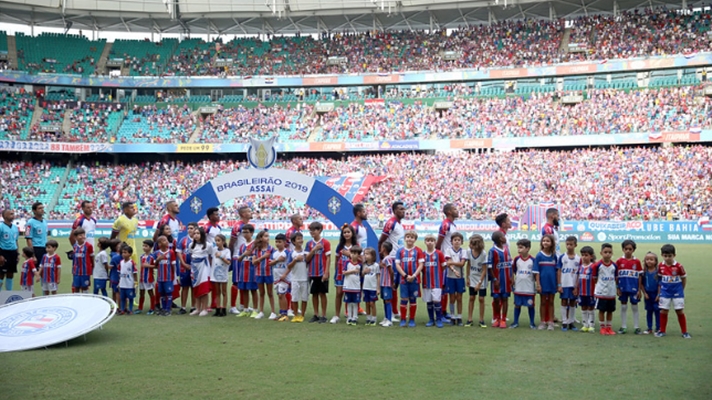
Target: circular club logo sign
37, 321
13, 299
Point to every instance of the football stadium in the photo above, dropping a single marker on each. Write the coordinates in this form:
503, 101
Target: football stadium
309, 198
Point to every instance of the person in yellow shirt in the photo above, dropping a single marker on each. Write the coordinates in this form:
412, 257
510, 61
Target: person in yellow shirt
125, 228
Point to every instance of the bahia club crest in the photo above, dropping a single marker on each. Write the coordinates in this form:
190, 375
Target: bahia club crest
261, 154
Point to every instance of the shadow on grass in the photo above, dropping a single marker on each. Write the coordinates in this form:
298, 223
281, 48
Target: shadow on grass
96, 338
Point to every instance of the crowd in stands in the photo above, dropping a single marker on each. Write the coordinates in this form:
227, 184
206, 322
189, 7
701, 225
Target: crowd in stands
641, 33
237, 124
603, 111
50, 122
16, 108
150, 124
597, 183
143, 57
530, 42
90, 122
506, 43
23, 183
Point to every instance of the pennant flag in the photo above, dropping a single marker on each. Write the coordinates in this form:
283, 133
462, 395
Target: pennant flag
353, 187
690, 55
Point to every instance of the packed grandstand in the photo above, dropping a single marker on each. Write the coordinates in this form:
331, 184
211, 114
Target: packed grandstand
596, 184
641, 32
648, 182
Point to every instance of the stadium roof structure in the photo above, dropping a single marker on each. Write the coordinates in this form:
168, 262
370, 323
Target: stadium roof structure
250, 17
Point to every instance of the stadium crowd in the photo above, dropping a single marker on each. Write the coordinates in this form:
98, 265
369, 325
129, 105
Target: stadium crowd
604, 111
637, 33
91, 122
616, 184
529, 42
236, 124
173, 124
641, 33
16, 110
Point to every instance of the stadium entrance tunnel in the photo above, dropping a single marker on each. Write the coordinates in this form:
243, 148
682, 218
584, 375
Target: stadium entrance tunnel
276, 182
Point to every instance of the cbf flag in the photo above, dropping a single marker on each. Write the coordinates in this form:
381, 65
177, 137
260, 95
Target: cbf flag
352, 186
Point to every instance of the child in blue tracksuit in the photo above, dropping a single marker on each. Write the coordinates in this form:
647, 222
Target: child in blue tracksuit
114, 261
651, 287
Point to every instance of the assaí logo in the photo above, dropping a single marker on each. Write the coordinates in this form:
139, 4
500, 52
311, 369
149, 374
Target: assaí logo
587, 237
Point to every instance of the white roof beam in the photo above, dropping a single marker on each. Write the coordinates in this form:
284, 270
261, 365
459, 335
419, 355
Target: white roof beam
239, 25
467, 23
377, 22
125, 25
433, 20
266, 26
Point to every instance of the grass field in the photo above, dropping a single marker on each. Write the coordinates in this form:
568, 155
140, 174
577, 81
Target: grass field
179, 357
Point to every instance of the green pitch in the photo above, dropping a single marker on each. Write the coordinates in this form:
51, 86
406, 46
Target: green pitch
178, 357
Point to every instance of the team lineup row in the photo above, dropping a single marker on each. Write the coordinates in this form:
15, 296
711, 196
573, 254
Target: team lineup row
204, 259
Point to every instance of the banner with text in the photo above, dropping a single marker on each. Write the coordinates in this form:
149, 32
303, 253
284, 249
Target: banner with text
575, 68
584, 231
391, 145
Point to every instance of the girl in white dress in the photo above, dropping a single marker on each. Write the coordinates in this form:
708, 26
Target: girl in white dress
201, 253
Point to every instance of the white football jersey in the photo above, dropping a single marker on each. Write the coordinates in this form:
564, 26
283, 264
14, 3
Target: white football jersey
478, 269
127, 269
299, 271
352, 282
281, 267
370, 281
606, 284
219, 272
524, 278
569, 269
457, 256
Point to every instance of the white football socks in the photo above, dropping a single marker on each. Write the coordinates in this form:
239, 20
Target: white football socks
564, 315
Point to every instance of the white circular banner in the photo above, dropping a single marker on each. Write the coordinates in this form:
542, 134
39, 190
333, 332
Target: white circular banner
48, 320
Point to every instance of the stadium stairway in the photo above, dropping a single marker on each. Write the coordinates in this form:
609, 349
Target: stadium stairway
60, 187
37, 115
67, 124
196, 133
564, 48
12, 51
101, 64
315, 135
